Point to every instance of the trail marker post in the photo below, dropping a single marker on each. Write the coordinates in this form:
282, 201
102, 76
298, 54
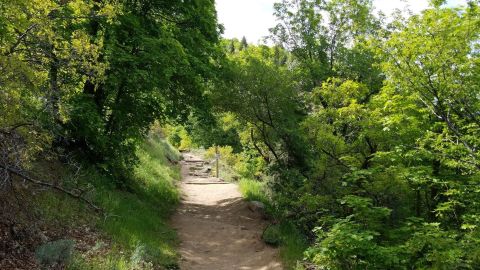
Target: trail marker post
217, 157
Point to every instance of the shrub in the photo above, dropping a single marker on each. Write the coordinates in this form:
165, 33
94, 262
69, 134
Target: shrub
56, 252
272, 235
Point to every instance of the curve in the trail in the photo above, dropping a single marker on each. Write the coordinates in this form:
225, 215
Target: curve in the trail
217, 231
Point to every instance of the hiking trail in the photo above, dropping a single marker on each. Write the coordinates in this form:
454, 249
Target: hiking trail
217, 231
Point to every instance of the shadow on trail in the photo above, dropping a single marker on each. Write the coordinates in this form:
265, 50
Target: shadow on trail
228, 211
216, 228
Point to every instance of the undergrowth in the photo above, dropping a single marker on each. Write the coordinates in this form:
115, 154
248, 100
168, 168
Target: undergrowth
291, 242
253, 190
135, 222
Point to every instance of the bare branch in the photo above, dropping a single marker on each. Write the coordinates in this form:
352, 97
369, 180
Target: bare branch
46, 184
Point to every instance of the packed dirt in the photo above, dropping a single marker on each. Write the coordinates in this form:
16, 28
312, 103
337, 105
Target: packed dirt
217, 231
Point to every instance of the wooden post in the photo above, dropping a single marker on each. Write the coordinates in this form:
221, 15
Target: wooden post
217, 157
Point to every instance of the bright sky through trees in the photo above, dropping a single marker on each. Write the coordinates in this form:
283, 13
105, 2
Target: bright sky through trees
253, 18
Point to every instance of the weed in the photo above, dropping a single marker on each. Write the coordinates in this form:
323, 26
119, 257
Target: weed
253, 190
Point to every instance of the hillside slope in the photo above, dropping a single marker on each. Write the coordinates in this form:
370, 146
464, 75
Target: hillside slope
131, 232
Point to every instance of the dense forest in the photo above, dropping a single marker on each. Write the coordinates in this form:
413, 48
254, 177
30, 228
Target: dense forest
361, 130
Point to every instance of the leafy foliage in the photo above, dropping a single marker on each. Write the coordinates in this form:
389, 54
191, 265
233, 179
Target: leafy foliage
95, 75
368, 131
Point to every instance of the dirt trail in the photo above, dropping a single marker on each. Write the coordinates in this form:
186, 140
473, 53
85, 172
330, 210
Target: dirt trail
216, 229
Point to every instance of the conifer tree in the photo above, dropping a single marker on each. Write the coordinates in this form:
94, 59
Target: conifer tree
243, 44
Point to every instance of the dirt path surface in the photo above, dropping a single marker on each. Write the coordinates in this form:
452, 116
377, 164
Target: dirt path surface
216, 229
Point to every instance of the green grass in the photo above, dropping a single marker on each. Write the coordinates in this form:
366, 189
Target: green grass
293, 245
253, 190
136, 222
292, 242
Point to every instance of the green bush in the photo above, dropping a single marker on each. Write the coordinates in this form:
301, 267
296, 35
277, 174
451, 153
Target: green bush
272, 235
178, 137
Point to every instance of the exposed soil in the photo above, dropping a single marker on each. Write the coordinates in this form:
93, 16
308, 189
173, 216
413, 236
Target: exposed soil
216, 229
23, 229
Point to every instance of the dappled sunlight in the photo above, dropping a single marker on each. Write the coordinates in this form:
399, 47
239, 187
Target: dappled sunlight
216, 228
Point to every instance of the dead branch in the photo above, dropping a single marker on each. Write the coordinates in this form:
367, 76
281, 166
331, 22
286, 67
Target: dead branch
12, 128
46, 184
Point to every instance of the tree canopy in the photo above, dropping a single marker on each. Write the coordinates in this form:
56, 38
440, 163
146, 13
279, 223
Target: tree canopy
96, 74
368, 131
365, 131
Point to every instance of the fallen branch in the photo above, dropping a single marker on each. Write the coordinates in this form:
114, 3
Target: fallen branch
40, 183
12, 128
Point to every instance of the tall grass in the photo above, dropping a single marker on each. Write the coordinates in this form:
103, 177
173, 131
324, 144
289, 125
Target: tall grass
136, 221
140, 219
293, 245
253, 190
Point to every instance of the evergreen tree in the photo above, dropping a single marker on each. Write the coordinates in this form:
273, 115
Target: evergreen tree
243, 44
231, 47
